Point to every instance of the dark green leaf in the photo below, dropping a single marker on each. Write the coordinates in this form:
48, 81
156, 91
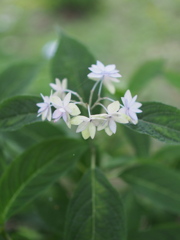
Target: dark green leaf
145, 73
17, 112
95, 211
34, 171
52, 207
157, 184
159, 121
159, 234
16, 78
133, 214
173, 78
71, 61
140, 142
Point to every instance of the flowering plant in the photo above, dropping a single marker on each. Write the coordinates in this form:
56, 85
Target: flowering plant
65, 106
76, 189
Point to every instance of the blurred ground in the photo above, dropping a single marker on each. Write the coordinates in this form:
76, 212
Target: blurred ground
122, 32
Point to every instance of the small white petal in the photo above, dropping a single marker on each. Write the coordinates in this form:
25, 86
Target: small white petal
95, 76
85, 133
49, 114
115, 75
121, 118
133, 115
112, 125
92, 130
110, 67
108, 131
82, 126
127, 95
56, 101
57, 114
73, 109
78, 120
64, 83
67, 99
100, 65
113, 107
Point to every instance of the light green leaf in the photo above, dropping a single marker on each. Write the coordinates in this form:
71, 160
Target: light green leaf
159, 121
71, 61
145, 73
16, 78
140, 142
17, 112
95, 211
159, 234
173, 78
34, 171
157, 184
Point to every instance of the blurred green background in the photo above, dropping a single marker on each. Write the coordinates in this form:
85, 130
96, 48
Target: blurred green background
124, 32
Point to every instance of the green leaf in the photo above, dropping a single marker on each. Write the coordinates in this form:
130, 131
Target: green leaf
145, 73
140, 142
71, 61
16, 78
159, 234
173, 78
34, 171
133, 214
52, 207
95, 211
17, 112
157, 184
159, 121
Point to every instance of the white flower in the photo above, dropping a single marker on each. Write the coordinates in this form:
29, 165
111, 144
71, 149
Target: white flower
113, 115
59, 87
64, 109
87, 126
131, 107
108, 74
45, 108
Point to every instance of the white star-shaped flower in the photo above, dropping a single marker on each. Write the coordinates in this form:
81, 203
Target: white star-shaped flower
131, 107
64, 108
45, 108
59, 87
108, 74
87, 125
113, 115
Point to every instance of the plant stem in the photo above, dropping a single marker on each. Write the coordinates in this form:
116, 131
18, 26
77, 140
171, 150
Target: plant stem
92, 92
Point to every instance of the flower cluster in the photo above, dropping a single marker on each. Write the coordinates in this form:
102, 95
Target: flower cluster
60, 105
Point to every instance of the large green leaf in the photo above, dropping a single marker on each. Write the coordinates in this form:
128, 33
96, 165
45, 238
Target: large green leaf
145, 73
52, 207
140, 142
71, 61
34, 170
159, 234
158, 184
159, 121
17, 112
95, 211
173, 78
16, 78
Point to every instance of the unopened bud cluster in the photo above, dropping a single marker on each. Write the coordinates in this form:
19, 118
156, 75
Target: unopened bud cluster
65, 107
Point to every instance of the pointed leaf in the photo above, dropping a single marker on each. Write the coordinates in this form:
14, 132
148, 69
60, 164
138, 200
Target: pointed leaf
95, 211
140, 142
158, 184
71, 61
159, 121
145, 73
34, 171
16, 78
17, 112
